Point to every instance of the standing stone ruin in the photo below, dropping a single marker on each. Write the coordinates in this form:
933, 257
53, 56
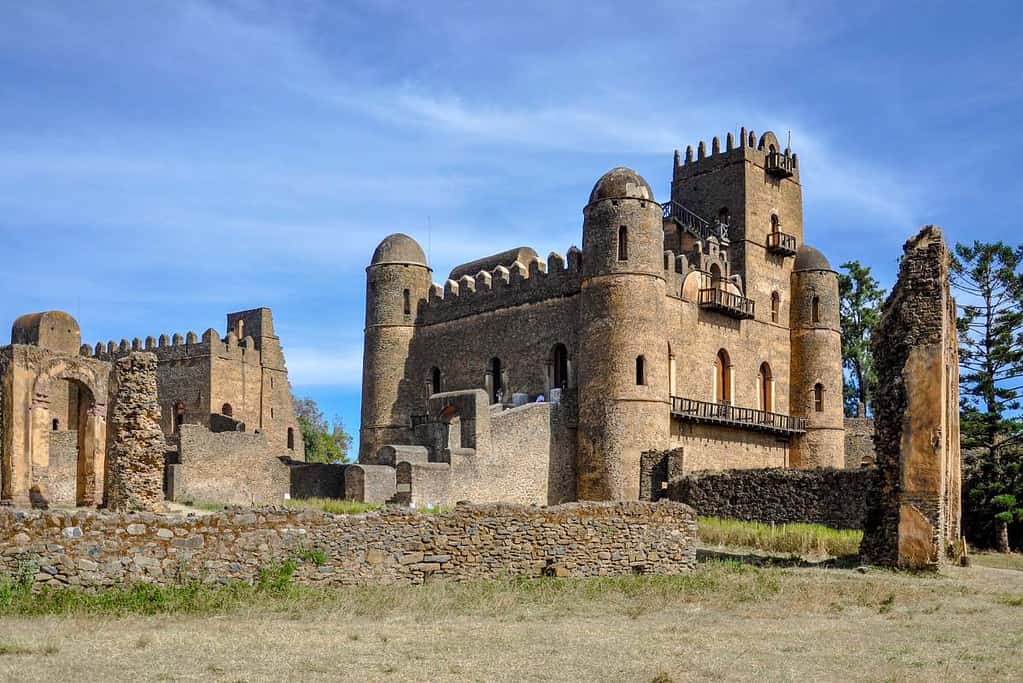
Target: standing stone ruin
915, 519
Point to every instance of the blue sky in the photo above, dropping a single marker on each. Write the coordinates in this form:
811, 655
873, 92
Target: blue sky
164, 163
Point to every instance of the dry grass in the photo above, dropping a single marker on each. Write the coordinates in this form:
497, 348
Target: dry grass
798, 539
725, 621
988, 558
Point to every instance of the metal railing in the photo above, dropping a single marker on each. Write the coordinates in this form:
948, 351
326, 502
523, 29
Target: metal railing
692, 222
419, 420
781, 243
779, 165
724, 413
734, 305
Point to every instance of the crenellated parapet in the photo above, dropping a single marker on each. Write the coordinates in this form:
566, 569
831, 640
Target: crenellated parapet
765, 152
178, 347
503, 286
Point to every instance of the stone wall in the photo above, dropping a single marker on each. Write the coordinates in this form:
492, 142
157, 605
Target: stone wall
62, 472
235, 468
92, 550
317, 479
859, 442
915, 521
835, 498
135, 447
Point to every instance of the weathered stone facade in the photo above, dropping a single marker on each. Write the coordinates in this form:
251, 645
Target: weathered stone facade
859, 442
93, 550
135, 451
915, 519
705, 323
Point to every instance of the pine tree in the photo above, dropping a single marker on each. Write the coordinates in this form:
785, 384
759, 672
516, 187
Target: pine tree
860, 299
990, 292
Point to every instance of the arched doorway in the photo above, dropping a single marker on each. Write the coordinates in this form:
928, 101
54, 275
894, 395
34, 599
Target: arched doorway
494, 373
559, 368
765, 386
723, 377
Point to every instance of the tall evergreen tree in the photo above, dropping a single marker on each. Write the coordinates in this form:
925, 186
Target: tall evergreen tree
990, 291
860, 299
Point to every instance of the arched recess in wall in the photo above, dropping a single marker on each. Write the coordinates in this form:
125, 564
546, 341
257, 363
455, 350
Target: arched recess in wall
765, 387
494, 373
815, 309
623, 243
715, 275
723, 377
291, 438
641, 370
559, 367
227, 410
775, 306
435, 380
818, 398
406, 298
179, 415
775, 223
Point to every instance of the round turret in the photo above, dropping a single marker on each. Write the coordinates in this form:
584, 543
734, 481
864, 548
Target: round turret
623, 366
397, 281
816, 368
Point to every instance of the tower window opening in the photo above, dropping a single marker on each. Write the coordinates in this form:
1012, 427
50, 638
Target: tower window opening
775, 223
56, 424
640, 370
724, 215
723, 377
623, 243
560, 369
815, 309
291, 438
818, 398
496, 384
435, 380
407, 302
179, 415
775, 306
766, 381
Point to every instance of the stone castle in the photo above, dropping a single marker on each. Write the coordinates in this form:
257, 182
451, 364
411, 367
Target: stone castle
705, 323
225, 410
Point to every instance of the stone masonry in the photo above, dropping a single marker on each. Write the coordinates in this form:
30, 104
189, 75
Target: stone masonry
135, 452
915, 519
96, 549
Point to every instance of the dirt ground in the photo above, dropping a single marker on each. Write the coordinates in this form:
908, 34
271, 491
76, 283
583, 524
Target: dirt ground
768, 625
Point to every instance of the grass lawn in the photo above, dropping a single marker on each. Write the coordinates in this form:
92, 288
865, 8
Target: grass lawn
725, 620
813, 540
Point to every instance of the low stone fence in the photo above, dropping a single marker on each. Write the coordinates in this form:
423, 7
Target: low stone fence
94, 549
835, 498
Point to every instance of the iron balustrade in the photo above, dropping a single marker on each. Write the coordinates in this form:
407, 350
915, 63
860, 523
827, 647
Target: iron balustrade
781, 243
725, 413
734, 305
694, 223
779, 165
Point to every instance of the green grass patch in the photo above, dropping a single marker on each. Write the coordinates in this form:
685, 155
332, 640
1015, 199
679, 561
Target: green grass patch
800, 539
206, 506
336, 506
995, 560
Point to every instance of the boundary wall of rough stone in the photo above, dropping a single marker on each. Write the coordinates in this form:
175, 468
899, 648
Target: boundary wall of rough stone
95, 549
832, 497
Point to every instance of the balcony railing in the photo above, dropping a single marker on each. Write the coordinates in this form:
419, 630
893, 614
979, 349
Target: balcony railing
779, 165
723, 301
744, 418
693, 223
781, 243
419, 420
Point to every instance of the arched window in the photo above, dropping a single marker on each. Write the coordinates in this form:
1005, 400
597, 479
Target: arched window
179, 415
56, 424
406, 301
815, 309
724, 216
723, 377
291, 439
227, 410
818, 398
715, 275
623, 243
766, 386
775, 306
640, 370
775, 223
496, 388
240, 329
560, 369
435, 380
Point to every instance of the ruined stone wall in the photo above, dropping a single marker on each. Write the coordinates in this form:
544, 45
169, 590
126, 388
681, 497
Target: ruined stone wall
62, 472
915, 520
719, 447
317, 480
93, 550
237, 468
135, 443
859, 442
835, 498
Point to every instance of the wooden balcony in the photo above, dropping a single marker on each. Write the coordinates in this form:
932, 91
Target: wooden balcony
722, 301
779, 165
781, 243
707, 412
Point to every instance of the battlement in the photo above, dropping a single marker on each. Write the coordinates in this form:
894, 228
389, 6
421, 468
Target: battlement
178, 347
764, 151
503, 286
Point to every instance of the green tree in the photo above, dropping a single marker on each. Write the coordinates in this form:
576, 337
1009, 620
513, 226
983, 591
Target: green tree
989, 287
860, 299
323, 442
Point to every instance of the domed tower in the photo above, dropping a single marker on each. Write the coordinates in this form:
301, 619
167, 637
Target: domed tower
397, 279
816, 381
623, 348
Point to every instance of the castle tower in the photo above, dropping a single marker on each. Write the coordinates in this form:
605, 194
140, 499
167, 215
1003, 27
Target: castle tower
397, 279
753, 186
816, 368
623, 348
